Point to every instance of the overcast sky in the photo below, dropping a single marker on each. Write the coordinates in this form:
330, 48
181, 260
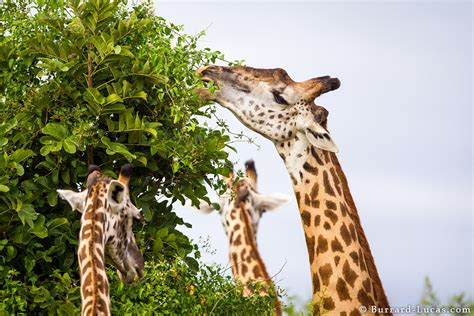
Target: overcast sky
402, 120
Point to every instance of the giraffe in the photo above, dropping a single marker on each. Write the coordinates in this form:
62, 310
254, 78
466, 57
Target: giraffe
106, 233
343, 272
241, 209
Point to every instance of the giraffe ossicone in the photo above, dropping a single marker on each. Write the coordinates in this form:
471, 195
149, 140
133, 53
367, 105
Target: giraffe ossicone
241, 209
343, 273
108, 215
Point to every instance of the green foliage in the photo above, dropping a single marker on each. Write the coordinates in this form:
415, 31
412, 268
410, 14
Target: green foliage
457, 305
168, 288
295, 307
95, 81
174, 288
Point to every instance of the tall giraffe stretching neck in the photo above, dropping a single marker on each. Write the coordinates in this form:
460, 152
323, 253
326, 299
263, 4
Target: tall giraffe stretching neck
106, 231
241, 209
268, 101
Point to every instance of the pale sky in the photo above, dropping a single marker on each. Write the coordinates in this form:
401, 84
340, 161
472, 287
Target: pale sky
402, 120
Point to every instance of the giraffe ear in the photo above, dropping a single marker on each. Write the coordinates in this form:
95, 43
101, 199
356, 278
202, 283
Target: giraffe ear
269, 202
319, 137
116, 195
77, 200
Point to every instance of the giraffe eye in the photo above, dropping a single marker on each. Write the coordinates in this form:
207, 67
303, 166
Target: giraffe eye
278, 98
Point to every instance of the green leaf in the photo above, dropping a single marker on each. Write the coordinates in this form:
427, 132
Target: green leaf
93, 96
175, 166
116, 148
65, 176
20, 171
141, 95
4, 188
57, 130
163, 232
113, 98
54, 223
3, 141
27, 214
21, 154
143, 160
39, 229
69, 146
157, 245
45, 150
113, 108
52, 198
129, 119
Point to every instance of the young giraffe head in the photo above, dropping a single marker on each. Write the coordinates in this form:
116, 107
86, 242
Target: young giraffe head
244, 191
270, 103
107, 220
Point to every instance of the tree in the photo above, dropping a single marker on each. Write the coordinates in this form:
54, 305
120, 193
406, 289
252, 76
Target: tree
99, 82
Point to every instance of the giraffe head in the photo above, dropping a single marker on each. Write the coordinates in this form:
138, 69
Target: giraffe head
244, 193
270, 103
117, 223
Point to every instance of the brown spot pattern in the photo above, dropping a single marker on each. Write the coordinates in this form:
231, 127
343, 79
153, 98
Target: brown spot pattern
327, 186
364, 298
345, 234
322, 245
317, 220
311, 169
349, 275
316, 285
328, 304
336, 245
355, 257
331, 205
306, 218
325, 272
366, 285
342, 290
344, 209
314, 191
331, 215
337, 182
353, 232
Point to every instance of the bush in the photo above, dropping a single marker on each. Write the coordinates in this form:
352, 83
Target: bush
106, 83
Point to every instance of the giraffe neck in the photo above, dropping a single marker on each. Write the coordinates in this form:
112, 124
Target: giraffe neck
246, 262
94, 282
343, 271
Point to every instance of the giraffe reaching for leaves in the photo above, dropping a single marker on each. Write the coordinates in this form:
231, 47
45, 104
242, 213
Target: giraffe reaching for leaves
106, 231
241, 209
269, 102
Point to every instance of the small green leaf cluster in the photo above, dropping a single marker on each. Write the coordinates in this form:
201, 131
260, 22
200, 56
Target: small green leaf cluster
458, 304
96, 81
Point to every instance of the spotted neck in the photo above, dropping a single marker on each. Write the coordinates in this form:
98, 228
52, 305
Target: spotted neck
94, 283
344, 276
246, 262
